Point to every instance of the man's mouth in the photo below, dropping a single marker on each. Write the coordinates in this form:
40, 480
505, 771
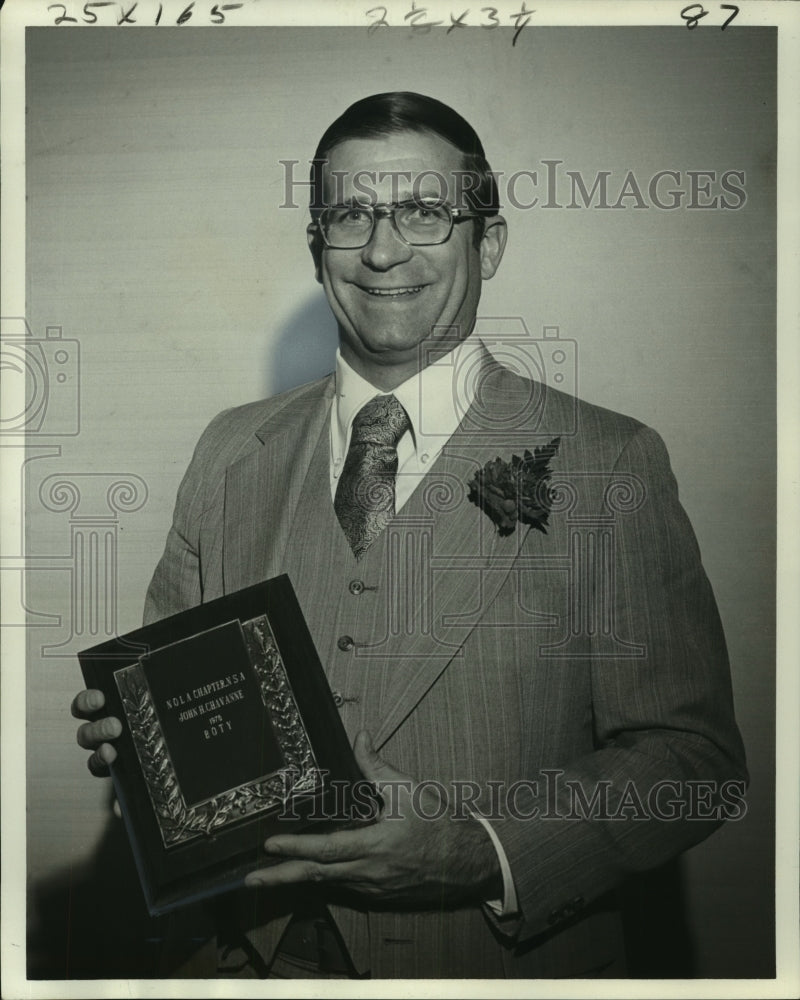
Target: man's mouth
392, 293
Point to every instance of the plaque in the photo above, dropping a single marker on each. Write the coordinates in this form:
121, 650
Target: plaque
230, 734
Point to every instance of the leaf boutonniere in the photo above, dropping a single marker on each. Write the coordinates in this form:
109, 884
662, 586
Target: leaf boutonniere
517, 490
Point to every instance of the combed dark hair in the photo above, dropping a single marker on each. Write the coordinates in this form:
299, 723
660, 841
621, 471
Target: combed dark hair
405, 111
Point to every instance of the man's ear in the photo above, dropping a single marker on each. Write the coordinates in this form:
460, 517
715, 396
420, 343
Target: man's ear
493, 244
315, 246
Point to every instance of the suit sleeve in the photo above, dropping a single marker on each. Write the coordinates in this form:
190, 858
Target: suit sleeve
668, 763
177, 583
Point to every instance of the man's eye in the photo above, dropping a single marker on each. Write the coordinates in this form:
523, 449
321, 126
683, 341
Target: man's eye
353, 215
424, 213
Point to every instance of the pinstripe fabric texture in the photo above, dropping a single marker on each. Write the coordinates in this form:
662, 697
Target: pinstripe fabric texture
484, 659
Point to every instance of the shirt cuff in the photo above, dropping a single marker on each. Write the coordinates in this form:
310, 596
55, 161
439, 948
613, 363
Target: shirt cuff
509, 905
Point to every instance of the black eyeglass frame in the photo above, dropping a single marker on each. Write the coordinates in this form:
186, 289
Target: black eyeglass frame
388, 212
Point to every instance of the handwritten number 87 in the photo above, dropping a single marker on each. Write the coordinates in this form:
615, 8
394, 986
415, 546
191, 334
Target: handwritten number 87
695, 11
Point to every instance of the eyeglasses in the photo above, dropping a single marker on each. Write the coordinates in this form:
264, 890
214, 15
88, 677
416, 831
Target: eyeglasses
418, 223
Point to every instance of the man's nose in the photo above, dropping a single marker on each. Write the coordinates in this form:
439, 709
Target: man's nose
386, 247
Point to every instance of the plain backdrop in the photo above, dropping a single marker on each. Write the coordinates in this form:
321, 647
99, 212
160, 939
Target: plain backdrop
155, 239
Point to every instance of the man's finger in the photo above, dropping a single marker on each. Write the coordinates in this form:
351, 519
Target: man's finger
292, 872
96, 766
324, 848
92, 734
86, 703
99, 761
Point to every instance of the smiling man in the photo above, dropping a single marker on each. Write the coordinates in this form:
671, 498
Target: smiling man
538, 729
417, 273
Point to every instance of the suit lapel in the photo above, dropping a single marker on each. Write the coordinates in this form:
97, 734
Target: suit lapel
262, 488
461, 561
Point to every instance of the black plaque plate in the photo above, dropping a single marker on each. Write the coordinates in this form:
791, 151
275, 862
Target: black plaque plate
230, 734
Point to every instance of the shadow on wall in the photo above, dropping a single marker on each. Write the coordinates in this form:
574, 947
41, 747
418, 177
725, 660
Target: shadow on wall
90, 921
305, 348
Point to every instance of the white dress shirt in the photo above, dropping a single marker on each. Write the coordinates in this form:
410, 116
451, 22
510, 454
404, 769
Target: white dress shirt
435, 400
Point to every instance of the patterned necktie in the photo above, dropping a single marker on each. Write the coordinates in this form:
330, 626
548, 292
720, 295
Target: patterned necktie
364, 501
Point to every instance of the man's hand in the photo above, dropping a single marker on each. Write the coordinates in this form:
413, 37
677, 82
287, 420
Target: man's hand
94, 734
402, 858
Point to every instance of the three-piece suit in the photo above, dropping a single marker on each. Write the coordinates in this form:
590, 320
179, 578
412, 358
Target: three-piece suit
540, 667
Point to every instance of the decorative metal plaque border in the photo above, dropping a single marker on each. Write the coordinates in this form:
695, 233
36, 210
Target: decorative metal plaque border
300, 775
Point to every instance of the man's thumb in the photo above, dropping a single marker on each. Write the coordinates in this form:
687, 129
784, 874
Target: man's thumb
373, 766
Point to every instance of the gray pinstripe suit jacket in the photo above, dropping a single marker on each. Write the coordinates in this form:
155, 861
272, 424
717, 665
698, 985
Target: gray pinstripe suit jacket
595, 649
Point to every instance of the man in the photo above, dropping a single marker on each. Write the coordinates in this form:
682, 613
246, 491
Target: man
534, 640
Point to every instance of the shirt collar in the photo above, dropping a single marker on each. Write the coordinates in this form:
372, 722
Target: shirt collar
435, 399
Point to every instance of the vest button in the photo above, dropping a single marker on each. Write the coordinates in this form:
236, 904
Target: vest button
356, 587
338, 699
345, 642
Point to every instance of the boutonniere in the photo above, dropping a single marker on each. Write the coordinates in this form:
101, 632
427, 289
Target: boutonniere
517, 490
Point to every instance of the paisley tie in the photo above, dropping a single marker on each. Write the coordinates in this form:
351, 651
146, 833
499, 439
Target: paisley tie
364, 501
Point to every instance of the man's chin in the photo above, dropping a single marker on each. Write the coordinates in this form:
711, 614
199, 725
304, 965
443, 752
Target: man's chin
388, 344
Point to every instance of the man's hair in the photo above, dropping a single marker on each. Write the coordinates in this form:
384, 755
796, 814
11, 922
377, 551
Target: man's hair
405, 111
